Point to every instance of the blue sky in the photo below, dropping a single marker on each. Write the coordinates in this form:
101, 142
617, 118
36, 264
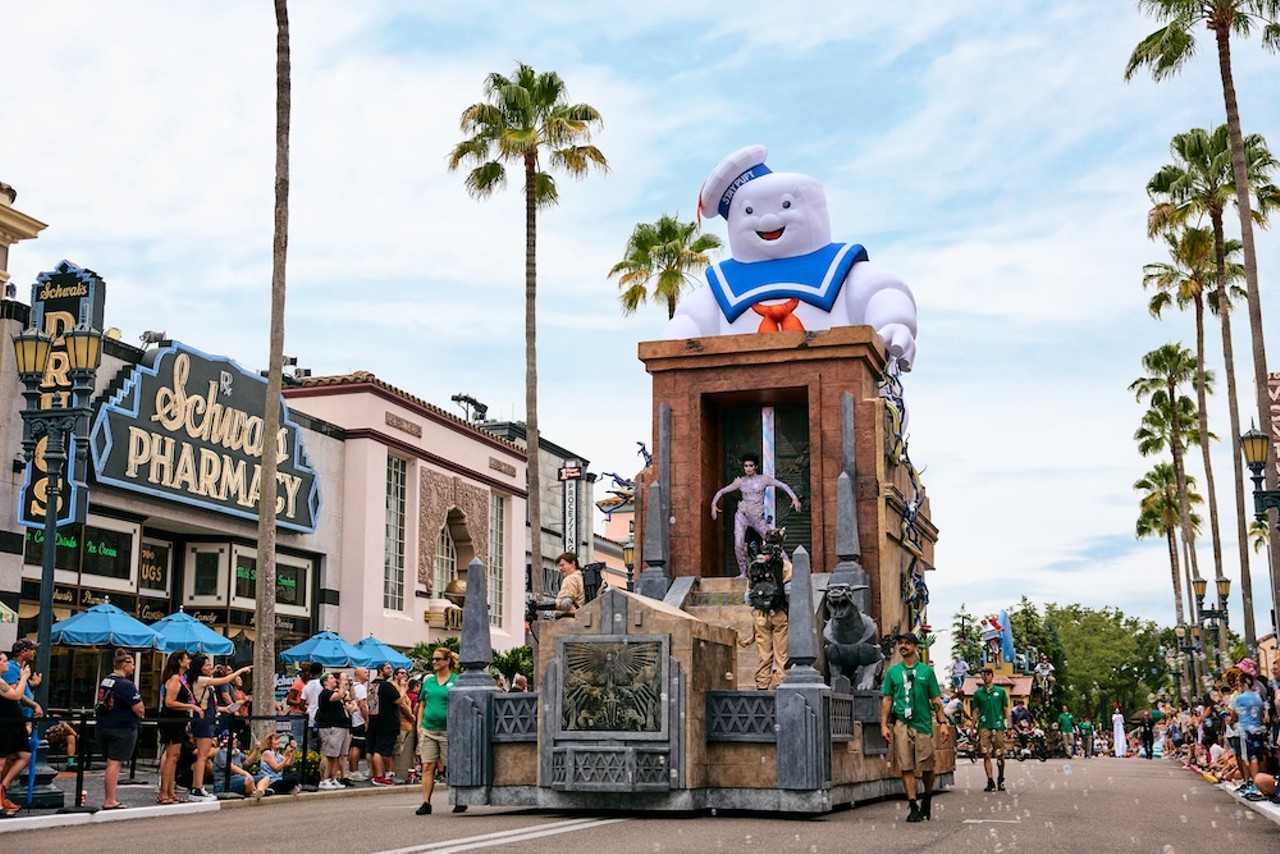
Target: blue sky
996, 161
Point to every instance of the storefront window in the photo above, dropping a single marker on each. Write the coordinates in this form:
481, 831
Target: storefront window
153, 568
205, 578
107, 553
291, 585
246, 577
65, 556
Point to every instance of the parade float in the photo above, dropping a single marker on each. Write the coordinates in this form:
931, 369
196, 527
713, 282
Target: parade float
793, 353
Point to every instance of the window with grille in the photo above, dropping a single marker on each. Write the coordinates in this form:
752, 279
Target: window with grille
497, 557
393, 550
446, 562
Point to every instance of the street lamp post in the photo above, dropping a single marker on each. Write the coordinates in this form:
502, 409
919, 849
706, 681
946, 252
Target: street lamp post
1256, 447
1187, 647
59, 424
629, 560
1217, 617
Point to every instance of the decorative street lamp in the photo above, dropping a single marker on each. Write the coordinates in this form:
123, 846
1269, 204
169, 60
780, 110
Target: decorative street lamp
59, 425
1217, 617
629, 560
1256, 447
1187, 645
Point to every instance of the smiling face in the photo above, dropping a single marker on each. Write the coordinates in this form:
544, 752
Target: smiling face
778, 216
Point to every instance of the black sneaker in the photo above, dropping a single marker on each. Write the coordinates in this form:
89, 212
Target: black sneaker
459, 807
425, 809
991, 785
350, 784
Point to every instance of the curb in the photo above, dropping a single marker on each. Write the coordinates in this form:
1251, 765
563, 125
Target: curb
40, 822
1262, 808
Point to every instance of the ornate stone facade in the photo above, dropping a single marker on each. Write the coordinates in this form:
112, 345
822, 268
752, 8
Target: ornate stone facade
441, 493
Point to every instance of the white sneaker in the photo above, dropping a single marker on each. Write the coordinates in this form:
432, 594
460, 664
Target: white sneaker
357, 777
326, 785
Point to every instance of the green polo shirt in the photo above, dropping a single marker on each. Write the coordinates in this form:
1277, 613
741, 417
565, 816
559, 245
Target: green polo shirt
1066, 723
992, 707
923, 688
1086, 728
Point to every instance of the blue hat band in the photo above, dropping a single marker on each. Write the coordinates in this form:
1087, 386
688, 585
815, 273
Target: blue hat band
757, 171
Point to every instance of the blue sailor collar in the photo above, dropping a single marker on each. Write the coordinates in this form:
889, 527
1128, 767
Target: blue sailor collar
815, 278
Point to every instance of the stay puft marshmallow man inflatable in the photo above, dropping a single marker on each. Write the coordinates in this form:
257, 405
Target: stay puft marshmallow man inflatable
785, 272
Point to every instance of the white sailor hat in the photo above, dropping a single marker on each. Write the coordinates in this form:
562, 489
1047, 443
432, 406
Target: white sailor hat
728, 177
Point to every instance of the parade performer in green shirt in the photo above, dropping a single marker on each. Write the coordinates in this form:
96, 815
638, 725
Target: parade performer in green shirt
910, 703
1086, 736
990, 705
1067, 726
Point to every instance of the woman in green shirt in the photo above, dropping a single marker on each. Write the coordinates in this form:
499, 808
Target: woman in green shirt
433, 742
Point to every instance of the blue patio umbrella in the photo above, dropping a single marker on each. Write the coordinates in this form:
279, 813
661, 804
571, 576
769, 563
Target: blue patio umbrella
103, 625
329, 650
380, 652
183, 631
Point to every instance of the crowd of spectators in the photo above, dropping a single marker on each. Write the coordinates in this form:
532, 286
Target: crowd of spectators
1232, 734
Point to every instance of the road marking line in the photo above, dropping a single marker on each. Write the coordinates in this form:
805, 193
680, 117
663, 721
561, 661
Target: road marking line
505, 836
992, 821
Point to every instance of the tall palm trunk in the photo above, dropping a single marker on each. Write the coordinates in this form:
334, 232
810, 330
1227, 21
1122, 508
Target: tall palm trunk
1184, 502
531, 371
264, 652
1233, 409
1171, 536
1203, 402
1222, 34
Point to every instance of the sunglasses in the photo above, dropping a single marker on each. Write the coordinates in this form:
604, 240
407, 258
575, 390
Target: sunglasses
438, 658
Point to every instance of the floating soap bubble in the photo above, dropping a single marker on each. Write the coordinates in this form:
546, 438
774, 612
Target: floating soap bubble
1066, 769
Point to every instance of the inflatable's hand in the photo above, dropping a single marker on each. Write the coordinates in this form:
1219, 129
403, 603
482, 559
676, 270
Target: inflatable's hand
901, 342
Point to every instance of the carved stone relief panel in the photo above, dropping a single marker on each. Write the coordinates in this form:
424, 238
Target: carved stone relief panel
440, 493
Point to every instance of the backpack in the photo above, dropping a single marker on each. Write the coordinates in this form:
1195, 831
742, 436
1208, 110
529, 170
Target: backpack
106, 700
766, 593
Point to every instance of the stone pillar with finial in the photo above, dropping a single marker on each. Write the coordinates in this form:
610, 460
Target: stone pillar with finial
471, 699
803, 710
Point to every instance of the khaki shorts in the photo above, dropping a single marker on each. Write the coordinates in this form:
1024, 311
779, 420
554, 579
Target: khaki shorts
433, 746
991, 742
912, 749
333, 741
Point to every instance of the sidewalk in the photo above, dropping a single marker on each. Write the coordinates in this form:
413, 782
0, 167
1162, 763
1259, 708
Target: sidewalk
140, 801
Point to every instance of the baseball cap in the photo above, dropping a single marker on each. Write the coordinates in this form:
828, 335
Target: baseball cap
909, 637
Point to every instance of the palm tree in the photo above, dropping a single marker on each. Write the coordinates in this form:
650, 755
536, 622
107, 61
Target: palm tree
264, 651
1169, 422
526, 115
1159, 514
662, 255
1200, 183
1185, 280
1155, 435
1165, 52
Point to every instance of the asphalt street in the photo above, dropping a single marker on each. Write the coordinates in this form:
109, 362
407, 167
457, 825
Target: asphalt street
1099, 805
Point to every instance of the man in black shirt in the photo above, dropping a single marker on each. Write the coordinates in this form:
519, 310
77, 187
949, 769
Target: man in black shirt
383, 727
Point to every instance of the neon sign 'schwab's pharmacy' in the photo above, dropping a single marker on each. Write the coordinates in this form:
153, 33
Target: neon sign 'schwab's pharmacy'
155, 436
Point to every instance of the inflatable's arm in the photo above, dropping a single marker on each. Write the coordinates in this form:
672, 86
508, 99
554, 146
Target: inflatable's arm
697, 315
884, 302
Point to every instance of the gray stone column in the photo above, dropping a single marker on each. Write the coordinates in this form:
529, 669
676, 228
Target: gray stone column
471, 700
803, 709
654, 581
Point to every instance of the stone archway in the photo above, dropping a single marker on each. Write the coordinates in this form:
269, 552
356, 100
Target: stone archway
450, 500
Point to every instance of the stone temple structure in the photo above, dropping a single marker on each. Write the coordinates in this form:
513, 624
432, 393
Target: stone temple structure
645, 700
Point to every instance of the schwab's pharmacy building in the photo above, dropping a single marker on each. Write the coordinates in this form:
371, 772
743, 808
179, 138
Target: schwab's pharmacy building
383, 500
